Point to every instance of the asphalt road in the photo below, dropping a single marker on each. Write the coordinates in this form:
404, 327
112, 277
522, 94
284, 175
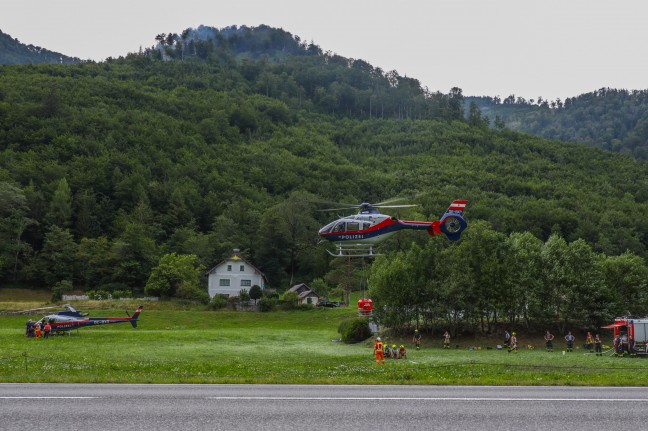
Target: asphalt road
70, 407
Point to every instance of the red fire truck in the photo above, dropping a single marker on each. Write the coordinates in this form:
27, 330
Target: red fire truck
627, 329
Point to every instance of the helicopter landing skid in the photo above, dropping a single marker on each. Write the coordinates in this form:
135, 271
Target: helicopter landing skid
353, 250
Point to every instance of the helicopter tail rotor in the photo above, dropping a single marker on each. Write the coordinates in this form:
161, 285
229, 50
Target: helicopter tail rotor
452, 224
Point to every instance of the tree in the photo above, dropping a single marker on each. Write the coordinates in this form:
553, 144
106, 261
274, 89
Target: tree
13, 223
390, 289
175, 274
286, 235
343, 275
135, 250
55, 261
475, 117
521, 278
626, 277
482, 252
256, 293
60, 208
554, 278
94, 262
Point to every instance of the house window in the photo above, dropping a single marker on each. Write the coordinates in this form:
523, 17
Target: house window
224, 282
229, 267
242, 268
246, 283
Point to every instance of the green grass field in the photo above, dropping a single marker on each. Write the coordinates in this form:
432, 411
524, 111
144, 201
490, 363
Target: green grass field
171, 345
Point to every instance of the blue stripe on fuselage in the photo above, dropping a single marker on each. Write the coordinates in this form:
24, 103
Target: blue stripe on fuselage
371, 234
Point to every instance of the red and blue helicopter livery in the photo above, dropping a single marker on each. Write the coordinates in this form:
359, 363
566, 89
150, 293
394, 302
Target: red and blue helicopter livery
70, 319
357, 234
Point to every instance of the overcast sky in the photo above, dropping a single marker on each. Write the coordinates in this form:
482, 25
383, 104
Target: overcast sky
530, 48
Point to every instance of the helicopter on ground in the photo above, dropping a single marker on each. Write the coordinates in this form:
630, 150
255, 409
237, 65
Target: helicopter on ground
70, 318
356, 235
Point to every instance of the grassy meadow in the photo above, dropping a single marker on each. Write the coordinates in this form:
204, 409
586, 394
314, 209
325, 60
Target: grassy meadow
176, 345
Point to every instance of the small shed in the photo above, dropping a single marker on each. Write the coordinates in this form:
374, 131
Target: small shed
306, 294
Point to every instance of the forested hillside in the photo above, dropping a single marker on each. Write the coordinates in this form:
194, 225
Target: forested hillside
106, 167
14, 52
615, 120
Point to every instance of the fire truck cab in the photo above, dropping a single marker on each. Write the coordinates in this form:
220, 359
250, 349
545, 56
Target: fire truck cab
630, 335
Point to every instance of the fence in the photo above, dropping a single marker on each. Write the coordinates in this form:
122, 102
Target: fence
86, 297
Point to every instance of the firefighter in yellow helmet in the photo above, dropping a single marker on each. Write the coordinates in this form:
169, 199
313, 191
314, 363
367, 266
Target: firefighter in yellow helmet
513, 343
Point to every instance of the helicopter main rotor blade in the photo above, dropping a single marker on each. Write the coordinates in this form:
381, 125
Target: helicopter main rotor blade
394, 206
389, 201
340, 208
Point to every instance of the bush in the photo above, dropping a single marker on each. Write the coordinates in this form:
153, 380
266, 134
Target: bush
98, 295
118, 294
60, 288
290, 300
354, 330
233, 302
218, 302
193, 294
244, 297
112, 287
267, 304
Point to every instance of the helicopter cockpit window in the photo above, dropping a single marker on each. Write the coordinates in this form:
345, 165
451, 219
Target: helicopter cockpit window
339, 227
327, 228
351, 226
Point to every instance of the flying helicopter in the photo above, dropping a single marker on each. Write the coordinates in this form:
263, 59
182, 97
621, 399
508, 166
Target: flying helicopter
70, 318
356, 235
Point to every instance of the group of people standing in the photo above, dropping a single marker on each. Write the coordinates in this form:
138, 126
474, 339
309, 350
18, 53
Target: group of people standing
510, 342
383, 350
594, 342
38, 329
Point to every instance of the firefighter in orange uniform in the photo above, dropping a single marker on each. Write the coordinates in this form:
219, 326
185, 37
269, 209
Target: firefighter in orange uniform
379, 350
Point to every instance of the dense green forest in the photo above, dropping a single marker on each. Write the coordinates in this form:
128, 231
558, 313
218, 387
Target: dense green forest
198, 146
612, 119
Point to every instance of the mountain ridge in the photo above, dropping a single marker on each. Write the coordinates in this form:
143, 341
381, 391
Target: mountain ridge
12, 51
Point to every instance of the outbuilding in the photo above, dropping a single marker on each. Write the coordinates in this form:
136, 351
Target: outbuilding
306, 294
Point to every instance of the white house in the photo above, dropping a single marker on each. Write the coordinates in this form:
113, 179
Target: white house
232, 275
